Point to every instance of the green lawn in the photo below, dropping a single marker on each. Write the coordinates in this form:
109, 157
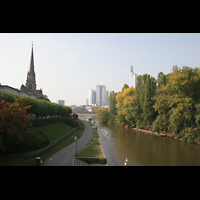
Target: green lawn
54, 131
30, 160
93, 148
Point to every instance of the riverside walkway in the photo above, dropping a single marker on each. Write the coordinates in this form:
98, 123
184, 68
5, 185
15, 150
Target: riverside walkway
65, 156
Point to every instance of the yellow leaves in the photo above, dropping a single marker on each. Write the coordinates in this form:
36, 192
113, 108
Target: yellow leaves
125, 97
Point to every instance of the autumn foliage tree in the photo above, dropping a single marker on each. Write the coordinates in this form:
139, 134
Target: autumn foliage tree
103, 114
177, 103
125, 106
14, 122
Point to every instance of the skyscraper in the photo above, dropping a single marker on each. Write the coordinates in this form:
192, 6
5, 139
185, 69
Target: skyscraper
61, 102
133, 78
101, 95
92, 97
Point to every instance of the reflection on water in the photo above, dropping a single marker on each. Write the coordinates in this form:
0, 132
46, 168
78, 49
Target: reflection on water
127, 147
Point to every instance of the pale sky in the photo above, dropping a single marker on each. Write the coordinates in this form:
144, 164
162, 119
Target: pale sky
67, 65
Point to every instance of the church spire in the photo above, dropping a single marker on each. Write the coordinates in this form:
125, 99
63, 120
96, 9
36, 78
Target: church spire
30, 82
31, 67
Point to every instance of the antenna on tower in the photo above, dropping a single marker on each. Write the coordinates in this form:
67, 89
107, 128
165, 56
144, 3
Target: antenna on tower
133, 63
131, 68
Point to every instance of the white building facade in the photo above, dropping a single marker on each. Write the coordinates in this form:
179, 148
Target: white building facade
98, 97
92, 97
101, 95
133, 79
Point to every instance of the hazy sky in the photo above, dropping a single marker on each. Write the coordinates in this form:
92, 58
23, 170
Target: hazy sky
67, 65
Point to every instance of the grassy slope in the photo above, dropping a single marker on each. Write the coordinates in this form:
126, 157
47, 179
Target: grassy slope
30, 160
54, 131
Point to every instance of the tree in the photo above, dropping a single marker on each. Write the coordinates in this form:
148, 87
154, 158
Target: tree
144, 93
124, 87
103, 114
162, 79
177, 103
42, 96
112, 107
94, 109
125, 107
14, 122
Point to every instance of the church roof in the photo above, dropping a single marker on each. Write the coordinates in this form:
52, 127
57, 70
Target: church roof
25, 89
31, 67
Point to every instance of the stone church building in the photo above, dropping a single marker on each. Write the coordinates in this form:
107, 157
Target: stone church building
30, 88
31, 81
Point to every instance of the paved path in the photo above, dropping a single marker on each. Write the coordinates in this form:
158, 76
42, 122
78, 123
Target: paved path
65, 156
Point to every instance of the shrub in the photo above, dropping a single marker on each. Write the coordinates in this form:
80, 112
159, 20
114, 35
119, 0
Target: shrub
31, 141
102, 160
14, 122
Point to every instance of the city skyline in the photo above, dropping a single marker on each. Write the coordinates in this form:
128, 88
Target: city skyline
98, 97
67, 64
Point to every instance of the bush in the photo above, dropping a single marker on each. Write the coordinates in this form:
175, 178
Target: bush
15, 136
72, 122
103, 114
39, 108
14, 122
29, 142
75, 116
68, 120
102, 160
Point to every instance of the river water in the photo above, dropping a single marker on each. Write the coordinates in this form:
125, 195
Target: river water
123, 146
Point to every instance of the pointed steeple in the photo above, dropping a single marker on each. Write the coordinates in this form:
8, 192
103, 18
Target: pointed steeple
31, 67
30, 82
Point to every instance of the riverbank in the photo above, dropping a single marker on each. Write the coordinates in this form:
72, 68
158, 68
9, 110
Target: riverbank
87, 114
92, 153
161, 134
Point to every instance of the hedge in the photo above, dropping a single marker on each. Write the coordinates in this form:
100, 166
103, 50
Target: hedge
39, 108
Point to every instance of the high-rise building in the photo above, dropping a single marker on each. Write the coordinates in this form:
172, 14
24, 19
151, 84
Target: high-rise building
101, 95
133, 78
61, 102
92, 97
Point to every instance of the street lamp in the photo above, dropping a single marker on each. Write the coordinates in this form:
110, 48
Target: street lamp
76, 144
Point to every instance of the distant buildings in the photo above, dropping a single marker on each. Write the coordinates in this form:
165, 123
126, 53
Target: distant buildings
61, 102
133, 79
98, 97
92, 97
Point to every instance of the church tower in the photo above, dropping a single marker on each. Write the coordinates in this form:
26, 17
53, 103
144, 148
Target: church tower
30, 82
30, 87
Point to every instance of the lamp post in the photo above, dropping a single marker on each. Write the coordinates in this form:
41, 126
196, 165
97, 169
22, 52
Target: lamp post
76, 144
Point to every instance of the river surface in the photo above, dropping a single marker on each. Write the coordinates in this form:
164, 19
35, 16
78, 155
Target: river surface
123, 146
